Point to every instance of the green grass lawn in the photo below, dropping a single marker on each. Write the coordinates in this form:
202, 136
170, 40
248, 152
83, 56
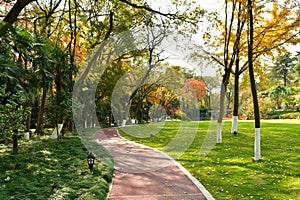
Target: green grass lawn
49, 169
228, 170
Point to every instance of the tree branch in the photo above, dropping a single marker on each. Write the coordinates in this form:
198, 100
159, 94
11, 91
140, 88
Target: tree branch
14, 12
169, 15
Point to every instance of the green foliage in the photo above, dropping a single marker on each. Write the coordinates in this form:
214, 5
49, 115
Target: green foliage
180, 116
273, 102
276, 91
47, 169
53, 38
297, 66
31, 64
13, 96
283, 69
13, 114
60, 108
281, 95
4, 26
105, 87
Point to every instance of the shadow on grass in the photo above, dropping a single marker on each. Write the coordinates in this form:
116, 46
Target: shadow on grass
49, 169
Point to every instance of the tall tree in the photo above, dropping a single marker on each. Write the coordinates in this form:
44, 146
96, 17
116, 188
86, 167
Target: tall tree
283, 68
297, 65
257, 153
13, 77
232, 29
240, 25
42, 62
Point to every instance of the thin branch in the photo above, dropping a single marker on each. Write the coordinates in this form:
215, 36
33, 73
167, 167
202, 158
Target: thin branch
148, 9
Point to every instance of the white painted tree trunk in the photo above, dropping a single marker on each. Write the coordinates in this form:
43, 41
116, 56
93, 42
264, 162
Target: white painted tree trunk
234, 127
257, 152
219, 133
123, 123
56, 131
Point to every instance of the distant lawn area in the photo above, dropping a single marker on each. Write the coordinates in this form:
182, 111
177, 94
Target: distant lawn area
49, 169
228, 171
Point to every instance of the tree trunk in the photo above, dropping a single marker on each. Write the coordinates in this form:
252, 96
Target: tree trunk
234, 128
13, 14
257, 152
284, 79
57, 132
225, 82
41, 112
15, 141
72, 44
28, 121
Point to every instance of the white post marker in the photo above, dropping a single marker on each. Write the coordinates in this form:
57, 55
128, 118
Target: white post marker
234, 127
257, 153
219, 133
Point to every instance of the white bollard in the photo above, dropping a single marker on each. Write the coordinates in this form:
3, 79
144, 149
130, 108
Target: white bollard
26, 135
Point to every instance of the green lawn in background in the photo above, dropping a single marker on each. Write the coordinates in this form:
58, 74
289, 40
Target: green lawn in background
228, 170
49, 169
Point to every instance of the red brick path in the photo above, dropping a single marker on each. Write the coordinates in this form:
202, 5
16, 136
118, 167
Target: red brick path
142, 173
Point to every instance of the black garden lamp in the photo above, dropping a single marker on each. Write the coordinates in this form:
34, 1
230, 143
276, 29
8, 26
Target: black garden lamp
91, 160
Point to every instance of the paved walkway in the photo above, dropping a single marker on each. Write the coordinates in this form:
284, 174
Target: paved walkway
143, 173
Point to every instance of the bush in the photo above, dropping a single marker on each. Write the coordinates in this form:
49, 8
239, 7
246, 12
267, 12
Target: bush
290, 116
181, 116
265, 107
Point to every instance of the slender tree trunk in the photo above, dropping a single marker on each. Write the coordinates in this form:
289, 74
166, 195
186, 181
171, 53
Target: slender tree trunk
257, 152
234, 128
41, 112
284, 79
15, 141
84, 116
228, 63
73, 41
225, 82
57, 132
28, 121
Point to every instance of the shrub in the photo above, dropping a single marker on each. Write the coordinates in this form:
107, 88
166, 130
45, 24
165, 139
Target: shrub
290, 116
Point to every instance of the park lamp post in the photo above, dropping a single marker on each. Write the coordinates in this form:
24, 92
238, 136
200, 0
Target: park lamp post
91, 160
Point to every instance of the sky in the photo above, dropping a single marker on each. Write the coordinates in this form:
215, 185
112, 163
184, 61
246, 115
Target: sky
166, 7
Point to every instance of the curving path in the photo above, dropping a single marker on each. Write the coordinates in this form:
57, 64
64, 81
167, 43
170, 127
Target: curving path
143, 173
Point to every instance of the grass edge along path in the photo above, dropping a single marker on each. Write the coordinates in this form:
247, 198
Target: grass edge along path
49, 169
228, 171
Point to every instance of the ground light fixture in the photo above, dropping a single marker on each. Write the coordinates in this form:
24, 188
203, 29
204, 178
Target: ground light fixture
91, 160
